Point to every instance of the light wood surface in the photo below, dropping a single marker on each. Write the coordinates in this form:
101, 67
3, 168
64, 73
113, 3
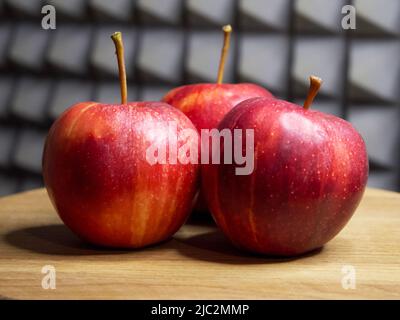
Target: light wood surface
198, 263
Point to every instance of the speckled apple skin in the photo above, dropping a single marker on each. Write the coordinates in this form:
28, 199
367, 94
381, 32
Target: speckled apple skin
207, 103
102, 186
310, 173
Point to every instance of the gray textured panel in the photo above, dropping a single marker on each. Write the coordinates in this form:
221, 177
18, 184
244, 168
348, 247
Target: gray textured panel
69, 48
203, 56
156, 11
7, 136
153, 93
29, 45
323, 57
374, 17
210, 12
160, 56
384, 180
68, 93
26, 7
30, 98
75, 9
379, 126
374, 70
314, 16
102, 56
263, 59
31, 183
115, 9
8, 184
29, 150
109, 92
5, 36
6, 86
264, 14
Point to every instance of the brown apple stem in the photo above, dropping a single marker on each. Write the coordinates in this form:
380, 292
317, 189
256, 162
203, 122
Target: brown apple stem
315, 84
119, 51
227, 40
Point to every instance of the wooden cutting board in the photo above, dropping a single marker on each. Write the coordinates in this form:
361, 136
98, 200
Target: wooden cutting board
363, 261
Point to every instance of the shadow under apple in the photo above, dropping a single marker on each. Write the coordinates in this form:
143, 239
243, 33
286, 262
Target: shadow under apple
209, 244
56, 239
213, 246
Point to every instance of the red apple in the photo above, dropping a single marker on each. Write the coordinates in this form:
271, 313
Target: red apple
99, 179
310, 173
207, 103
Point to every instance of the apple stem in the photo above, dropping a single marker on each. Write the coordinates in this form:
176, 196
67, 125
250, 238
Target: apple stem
119, 51
315, 84
227, 39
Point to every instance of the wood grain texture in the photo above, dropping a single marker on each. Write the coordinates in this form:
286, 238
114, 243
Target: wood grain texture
198, 263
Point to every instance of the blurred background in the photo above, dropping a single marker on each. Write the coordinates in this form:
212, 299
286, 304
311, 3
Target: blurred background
276, 43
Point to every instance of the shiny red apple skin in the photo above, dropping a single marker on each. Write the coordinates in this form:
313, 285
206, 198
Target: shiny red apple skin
101, 184
207, 103
310, 173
